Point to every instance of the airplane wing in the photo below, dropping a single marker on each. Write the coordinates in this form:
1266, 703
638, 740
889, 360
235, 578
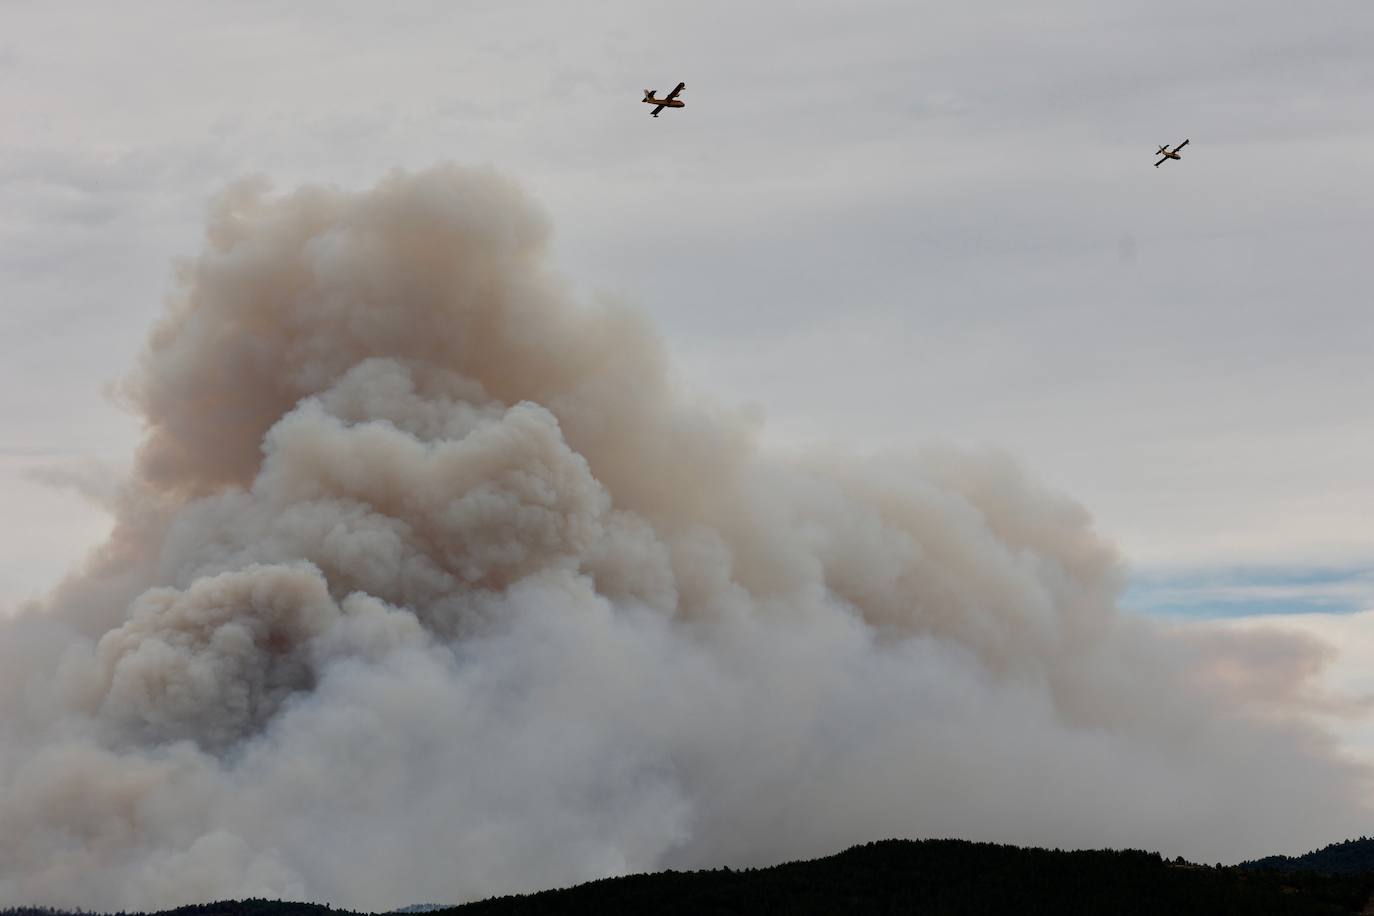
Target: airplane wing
681, 86
1181, 146
658, 109
1161, 162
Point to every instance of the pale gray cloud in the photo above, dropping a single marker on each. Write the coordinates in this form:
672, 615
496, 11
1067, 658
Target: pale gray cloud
881, 223
958, 181
408, 515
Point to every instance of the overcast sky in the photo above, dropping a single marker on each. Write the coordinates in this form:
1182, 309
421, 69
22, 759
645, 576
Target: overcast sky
880, 224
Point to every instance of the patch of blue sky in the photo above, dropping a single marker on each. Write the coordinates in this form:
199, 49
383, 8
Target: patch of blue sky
1250, 591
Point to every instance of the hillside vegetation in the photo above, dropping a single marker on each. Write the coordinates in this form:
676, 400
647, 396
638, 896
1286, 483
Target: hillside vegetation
1352, 857
931, 877
956, 877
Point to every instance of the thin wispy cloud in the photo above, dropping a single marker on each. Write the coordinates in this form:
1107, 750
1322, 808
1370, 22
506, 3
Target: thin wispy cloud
1243, 592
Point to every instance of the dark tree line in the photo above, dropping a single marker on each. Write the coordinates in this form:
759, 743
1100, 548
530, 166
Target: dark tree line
1349, 858
932, 877
250, 907
959, 878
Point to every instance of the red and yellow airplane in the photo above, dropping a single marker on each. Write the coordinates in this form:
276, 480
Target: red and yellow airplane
1169, 153
668, 101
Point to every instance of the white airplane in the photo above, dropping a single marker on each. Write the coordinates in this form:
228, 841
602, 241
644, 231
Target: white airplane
1169, 153
668, 101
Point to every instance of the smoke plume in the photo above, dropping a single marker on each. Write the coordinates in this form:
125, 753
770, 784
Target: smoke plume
428, 584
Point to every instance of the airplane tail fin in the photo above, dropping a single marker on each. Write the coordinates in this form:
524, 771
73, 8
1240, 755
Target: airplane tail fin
648, 95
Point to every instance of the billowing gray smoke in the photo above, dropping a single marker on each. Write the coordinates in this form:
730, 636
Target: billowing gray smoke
428, 585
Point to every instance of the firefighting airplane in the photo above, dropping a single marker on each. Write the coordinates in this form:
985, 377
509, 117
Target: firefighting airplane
668, 101
1169, 153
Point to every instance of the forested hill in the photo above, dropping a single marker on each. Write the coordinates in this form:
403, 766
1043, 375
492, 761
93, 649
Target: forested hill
252, 907
956, 877
930, 877
1349, 858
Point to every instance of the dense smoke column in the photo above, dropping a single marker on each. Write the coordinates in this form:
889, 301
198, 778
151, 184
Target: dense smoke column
427, 584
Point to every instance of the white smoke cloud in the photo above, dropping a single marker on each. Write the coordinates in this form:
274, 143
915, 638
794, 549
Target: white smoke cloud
428, 584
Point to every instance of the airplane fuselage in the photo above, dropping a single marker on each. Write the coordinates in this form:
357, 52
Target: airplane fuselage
1168, 154
666, 103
